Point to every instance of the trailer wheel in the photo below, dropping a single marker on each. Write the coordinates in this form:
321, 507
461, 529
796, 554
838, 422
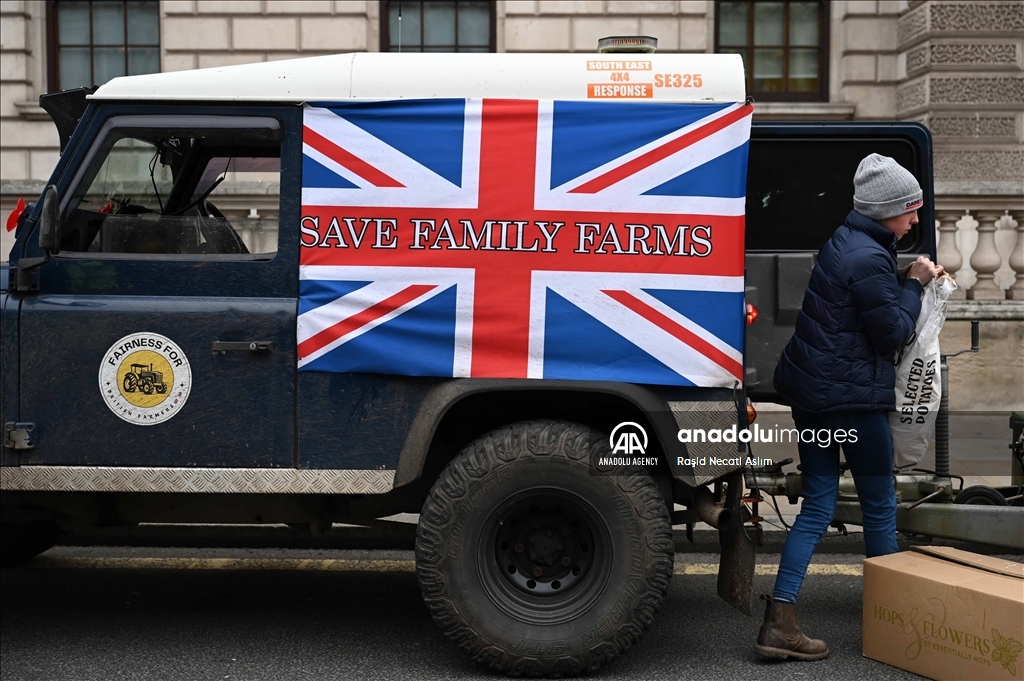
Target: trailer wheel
20, 541
534, 564
981, 495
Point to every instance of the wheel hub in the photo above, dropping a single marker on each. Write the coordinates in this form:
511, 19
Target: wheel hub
544, 546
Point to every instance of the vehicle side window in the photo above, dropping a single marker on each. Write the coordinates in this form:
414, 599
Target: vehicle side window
182, 191
800, 191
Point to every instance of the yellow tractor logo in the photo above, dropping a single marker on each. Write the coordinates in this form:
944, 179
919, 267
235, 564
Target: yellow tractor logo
142, 378
145, 378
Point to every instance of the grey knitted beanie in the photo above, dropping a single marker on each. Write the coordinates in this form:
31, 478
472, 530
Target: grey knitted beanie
882, 188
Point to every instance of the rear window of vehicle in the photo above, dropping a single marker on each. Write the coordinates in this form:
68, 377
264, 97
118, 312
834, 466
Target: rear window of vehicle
800, 190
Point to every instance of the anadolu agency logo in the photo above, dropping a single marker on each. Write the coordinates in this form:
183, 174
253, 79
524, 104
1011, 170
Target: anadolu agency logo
145, 378
628, 443
628, 438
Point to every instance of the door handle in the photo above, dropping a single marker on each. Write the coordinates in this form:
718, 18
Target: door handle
220, 347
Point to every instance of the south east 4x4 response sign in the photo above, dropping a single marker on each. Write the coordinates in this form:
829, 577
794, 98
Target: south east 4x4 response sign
524, 239
145, 378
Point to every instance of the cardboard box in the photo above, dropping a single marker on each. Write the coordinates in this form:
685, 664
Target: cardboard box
945, 614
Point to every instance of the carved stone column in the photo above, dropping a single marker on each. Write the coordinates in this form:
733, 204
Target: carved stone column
960, 73
986, 259
1016, 290
948, 253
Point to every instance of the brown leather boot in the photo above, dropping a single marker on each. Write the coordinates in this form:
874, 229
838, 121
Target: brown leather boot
781, 638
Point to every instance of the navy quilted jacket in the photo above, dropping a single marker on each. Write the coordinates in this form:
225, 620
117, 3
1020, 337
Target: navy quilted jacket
856, 313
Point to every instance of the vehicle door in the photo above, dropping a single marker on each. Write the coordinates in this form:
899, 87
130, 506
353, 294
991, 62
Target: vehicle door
162, 332
799, 190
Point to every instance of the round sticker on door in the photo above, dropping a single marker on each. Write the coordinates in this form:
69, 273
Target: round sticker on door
145, 378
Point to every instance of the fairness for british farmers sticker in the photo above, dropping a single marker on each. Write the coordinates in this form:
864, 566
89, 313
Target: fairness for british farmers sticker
145, 378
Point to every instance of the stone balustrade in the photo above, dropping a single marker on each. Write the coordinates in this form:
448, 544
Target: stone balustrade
983, 248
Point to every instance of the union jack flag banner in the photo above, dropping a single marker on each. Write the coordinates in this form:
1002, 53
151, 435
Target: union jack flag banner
524, 239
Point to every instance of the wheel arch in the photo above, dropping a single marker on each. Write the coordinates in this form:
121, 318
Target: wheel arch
455, 413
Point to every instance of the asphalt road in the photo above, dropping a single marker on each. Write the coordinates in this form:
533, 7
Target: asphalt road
143, 613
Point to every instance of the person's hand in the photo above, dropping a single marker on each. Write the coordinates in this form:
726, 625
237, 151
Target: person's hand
924, 270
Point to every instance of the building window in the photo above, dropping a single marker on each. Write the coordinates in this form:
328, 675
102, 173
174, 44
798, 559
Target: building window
92, 42
784, 46
420, 26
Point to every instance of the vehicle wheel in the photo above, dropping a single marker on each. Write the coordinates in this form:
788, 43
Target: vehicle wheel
161, 388
981, 495
21, 541
130, 383
534, 564
146, 386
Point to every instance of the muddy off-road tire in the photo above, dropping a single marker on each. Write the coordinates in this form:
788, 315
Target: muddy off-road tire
21, 541
535, 565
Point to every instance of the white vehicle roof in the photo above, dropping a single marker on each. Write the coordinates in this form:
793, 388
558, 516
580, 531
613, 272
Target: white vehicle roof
704, 78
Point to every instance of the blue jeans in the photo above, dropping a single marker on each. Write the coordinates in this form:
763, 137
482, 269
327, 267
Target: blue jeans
870, 460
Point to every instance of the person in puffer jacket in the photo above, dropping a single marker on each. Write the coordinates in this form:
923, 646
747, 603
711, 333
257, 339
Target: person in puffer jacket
838, 375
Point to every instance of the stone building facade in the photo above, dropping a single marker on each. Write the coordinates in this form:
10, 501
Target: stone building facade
955, 65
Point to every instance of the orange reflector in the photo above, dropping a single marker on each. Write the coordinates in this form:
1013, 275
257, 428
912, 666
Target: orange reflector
751, 313
12, 219
751, 414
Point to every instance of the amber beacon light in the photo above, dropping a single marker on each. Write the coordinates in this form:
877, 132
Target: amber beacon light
627, 43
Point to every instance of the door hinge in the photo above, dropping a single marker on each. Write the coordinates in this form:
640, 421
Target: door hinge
19, 435
25, 277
